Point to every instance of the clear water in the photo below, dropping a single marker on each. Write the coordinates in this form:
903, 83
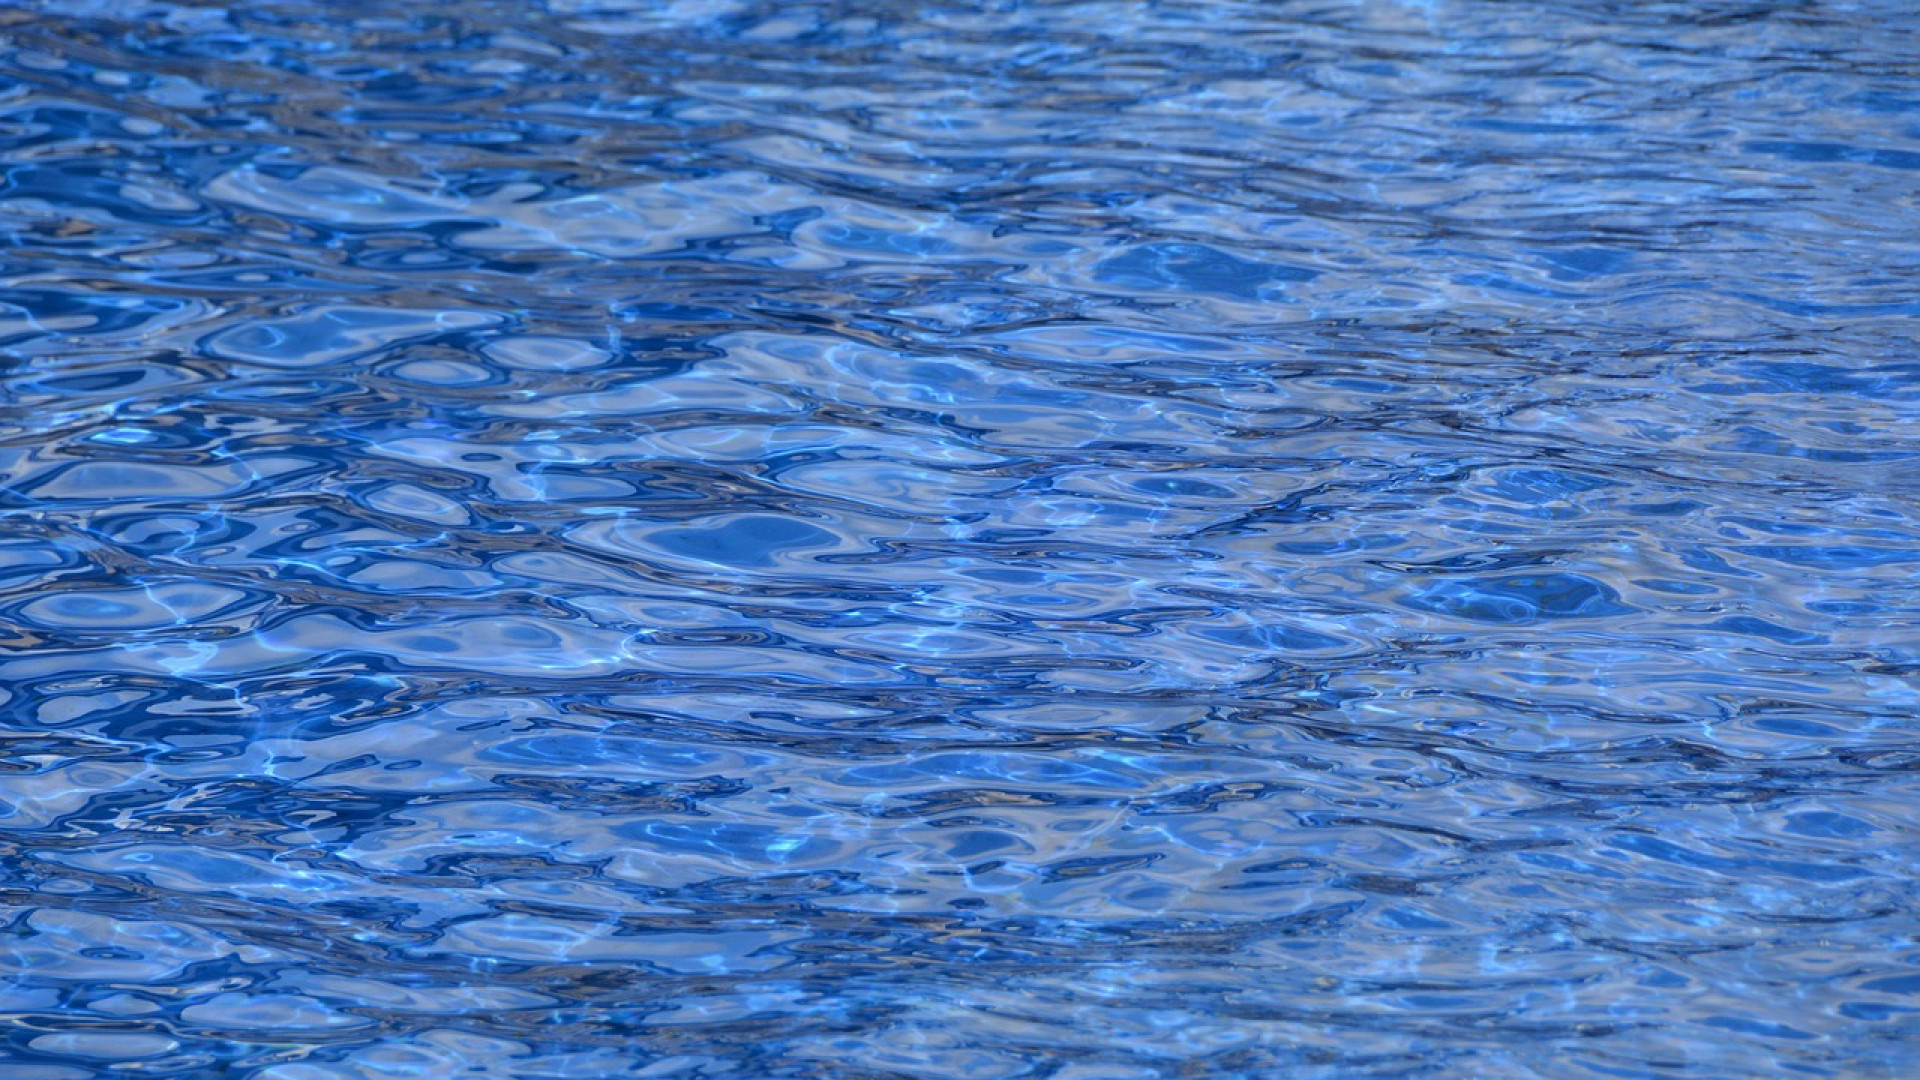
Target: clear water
857, 540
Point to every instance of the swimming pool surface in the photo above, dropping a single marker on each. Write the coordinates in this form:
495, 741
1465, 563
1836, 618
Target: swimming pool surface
967, 540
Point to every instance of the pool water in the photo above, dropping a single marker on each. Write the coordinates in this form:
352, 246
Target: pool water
979, 539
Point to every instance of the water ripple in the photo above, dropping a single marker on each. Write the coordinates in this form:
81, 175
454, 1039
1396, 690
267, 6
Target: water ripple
1087, 540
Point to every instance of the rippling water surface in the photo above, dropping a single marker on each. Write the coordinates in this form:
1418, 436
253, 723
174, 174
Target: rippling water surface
858, 540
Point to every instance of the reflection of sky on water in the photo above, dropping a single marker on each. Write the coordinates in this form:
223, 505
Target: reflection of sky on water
1079, 541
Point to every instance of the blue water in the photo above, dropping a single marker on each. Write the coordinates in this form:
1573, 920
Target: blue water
1315, 540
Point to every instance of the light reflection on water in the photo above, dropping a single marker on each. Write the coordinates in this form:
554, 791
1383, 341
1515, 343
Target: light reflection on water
1086, 541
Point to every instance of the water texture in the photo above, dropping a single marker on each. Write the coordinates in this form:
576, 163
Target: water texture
875, 541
